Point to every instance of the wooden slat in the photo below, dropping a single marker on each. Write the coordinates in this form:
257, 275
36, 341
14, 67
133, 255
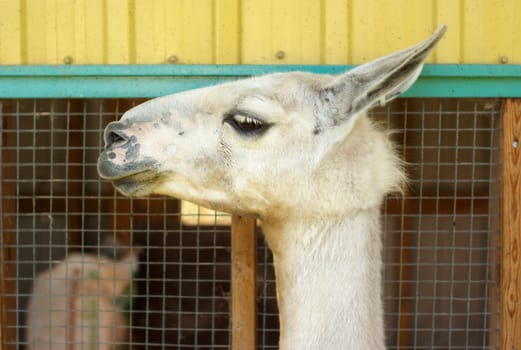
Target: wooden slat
243, 284
378, 26
480, 44
511, 264
118, 42
337, 37
256, 32
88, 32
227, 32
10, 32
198, 35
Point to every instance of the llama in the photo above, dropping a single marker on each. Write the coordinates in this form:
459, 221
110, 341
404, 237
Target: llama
297, 151
79, 304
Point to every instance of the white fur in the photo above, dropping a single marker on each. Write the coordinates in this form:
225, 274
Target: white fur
315, 177
329, 287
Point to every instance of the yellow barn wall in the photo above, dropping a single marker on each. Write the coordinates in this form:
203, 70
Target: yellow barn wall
253, 31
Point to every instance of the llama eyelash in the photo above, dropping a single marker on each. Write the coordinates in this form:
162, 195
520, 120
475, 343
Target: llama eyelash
241, 119
245, 123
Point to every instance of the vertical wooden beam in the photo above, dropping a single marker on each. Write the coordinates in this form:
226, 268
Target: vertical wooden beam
511, 240
243, 284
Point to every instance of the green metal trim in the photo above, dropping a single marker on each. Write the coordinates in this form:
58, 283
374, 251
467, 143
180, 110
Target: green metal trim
119, 81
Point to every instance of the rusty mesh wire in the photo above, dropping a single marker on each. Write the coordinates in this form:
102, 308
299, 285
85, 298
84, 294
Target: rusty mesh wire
441, 236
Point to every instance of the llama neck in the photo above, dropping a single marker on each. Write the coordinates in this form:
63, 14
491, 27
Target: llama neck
328, 278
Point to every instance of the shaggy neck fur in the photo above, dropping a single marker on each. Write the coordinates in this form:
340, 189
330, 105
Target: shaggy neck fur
327, 256
329, 288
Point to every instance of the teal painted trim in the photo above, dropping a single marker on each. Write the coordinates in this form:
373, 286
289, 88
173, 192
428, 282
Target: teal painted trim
106, 81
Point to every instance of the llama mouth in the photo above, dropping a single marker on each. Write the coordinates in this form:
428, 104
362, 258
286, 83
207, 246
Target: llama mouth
112, 171
136, 185
132, 178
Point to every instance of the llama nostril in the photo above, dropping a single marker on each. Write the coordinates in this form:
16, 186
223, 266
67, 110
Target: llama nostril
115, 139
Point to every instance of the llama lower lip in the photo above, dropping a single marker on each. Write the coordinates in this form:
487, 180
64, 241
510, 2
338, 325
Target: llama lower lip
135, 185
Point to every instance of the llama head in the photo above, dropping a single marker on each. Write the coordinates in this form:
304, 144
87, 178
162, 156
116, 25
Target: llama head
268, 144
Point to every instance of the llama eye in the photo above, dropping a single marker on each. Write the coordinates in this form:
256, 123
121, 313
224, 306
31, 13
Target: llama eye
246, 124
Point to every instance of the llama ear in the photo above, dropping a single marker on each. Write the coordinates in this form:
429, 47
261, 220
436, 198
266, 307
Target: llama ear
375, 83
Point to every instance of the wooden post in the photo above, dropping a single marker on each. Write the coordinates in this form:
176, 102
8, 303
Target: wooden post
244, 327
511, 240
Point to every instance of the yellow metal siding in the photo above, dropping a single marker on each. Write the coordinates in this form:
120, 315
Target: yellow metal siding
253, 31
10, 28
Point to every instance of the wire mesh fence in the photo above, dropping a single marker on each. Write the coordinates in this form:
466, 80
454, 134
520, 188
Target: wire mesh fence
441, 237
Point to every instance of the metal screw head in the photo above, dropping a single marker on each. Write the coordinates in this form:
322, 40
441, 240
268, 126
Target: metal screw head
280, 54
503, 59
67, 60
173, 59
515, 144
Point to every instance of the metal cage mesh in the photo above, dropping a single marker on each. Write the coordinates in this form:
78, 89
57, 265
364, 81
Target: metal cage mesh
441, 237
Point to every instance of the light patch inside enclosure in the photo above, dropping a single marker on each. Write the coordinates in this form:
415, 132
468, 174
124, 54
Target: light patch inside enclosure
193, 214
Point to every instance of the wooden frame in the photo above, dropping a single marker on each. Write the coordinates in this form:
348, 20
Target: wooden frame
511, 228
244, 311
